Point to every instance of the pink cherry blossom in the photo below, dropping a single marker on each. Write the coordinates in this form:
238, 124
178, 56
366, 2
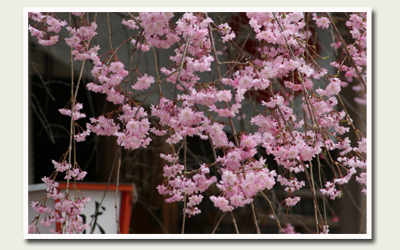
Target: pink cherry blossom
295, 115
143, 82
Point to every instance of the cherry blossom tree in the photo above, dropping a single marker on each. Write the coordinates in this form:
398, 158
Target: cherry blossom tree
273, 113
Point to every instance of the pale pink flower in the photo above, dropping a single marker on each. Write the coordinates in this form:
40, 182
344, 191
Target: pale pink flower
130, 23
222, 203
237, 200
292, 201
224, 95
322, 22
116, 67
32, 228
61, 167
289, 229
334, 87
229, 177
143, 82
362, 146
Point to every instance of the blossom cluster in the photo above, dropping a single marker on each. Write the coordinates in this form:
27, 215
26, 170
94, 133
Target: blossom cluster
65, 216
240, 186
352, 64
180, 186
47, 28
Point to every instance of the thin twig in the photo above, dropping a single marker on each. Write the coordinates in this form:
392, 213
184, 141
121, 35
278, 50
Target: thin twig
109, 31
156, 66
234, 223
118, 48
116, 192
255, 218
313, 190
273, 211
182, 63
219, 221
320, 183
105, 191
42, 118
43, 82
153, 215
352, 199
362, 216
184, 201
316, 208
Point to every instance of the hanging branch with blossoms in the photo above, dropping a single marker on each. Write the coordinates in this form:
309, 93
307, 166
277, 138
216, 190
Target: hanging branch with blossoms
298, 125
